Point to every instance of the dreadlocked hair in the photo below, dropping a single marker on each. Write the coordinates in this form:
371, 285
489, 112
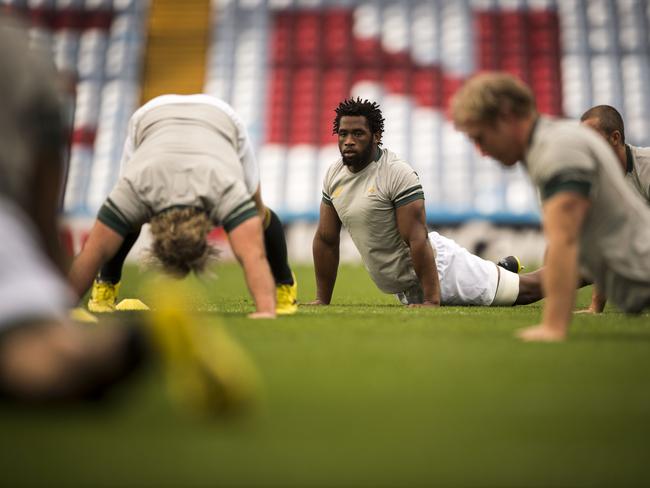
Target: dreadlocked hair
180, 241
366, 108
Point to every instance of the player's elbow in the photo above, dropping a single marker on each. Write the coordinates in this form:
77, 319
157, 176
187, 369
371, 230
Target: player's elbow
417, 240
325, 241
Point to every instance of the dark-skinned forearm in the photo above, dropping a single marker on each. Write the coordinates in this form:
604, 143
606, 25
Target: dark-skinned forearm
326, 263
425, 268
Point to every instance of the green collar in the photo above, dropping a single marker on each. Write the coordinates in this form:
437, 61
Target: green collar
377, 154
630, 160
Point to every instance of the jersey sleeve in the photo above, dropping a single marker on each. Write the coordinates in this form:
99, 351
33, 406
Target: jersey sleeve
123, 211
566, 168
233, 206
326, 197
403, 184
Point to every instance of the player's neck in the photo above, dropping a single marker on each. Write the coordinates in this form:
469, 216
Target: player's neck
624, 157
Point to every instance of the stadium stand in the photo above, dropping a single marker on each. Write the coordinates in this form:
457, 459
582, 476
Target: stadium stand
285, 64
98, 44
411, 56
176, 36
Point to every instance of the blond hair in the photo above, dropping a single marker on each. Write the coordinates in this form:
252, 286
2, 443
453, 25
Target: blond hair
180, 241
487, 96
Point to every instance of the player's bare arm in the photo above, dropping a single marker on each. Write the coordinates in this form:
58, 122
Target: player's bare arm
248, 245
326, 253
598, 302
563, 216
411, 223
102, 244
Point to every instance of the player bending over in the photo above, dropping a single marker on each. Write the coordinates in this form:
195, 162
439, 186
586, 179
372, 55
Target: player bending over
594, 225
187, 165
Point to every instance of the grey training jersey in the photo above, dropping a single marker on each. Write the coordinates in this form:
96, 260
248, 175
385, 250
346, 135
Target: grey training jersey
366, 202
183, 150
615, 236
637, 172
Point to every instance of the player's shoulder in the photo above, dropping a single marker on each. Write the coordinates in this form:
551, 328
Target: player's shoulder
641, 154
390, 164
557, 138
333, 172
566, 132
389, 160
335, 168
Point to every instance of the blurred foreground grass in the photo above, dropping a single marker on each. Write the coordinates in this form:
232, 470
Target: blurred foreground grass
368, 393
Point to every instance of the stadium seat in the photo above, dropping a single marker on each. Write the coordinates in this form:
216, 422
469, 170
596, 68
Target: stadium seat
284, 65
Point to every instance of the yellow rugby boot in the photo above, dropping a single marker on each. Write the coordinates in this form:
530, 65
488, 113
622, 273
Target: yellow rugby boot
287, 298
207, 371
103, 297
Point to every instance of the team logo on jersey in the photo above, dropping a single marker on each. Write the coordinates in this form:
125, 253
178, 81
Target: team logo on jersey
337, 192
371, 191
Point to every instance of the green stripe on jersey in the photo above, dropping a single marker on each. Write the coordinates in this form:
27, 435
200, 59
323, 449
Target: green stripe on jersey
407, 191
410, 198
240, 213
110, 216
554, 187
231, 222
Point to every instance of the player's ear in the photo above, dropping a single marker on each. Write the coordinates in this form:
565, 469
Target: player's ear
616, 138
376, 138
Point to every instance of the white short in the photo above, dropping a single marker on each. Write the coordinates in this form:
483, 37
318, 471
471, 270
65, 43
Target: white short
30, 287
466, 279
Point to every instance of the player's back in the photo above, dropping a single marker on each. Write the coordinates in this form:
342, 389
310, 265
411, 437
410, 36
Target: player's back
186, 129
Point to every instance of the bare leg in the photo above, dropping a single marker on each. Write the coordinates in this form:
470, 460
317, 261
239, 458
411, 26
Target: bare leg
530, 287
112, 270
53, 362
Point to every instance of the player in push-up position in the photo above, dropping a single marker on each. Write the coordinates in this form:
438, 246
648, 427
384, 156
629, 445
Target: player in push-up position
187, 165
45, 356
634, 161
378, 198
594, 225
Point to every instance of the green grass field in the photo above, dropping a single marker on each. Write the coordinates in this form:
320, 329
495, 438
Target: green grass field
369, 393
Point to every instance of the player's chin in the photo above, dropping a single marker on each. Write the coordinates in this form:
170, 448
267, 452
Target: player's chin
350, 160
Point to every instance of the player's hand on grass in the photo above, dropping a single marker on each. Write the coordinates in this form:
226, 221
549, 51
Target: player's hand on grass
597, 304
540, 333
261, 315
595, 307
589, 310
425, 303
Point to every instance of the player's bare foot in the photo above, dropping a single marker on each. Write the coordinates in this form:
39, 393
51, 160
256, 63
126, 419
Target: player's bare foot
540, 333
